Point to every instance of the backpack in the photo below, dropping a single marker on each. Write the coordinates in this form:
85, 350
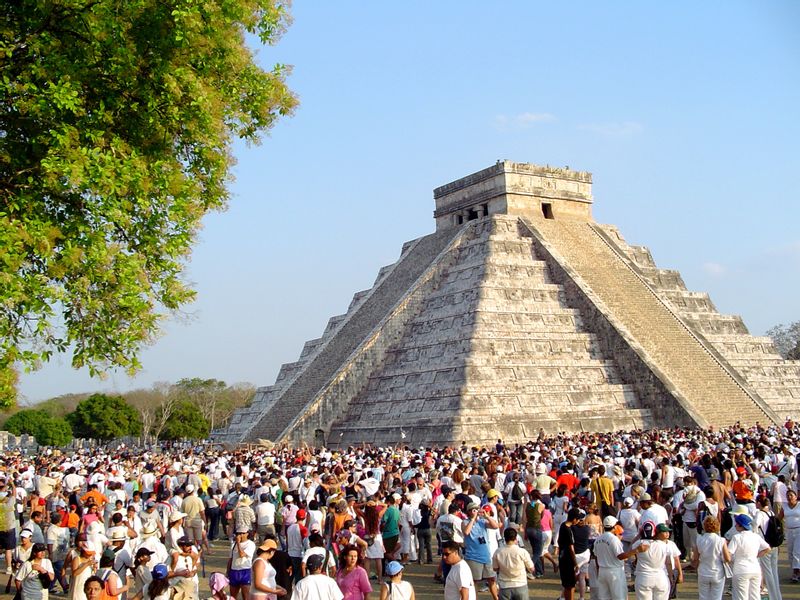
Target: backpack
516, 492
774, 535
105, 593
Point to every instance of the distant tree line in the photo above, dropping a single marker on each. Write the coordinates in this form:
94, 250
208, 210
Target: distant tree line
188, 409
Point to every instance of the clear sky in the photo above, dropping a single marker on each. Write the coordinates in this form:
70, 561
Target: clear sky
685, 112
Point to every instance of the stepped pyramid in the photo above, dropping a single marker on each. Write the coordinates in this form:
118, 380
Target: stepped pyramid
520, 314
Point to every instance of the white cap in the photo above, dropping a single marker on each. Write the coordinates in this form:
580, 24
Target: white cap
610, 521
189, 488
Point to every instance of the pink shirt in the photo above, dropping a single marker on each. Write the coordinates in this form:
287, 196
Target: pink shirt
354, 584
547, 520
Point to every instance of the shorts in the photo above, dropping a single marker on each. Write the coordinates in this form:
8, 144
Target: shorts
566, 572
8, 539
480, 571
583, 561
240, 577
390, 543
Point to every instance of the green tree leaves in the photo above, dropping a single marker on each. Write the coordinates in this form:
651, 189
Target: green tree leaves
48, 430
116, 122
104, 418
185, 422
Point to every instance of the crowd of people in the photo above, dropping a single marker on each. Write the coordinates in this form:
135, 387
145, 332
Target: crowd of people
611, 513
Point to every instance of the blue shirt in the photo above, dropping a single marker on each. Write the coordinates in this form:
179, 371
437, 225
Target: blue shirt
475, 544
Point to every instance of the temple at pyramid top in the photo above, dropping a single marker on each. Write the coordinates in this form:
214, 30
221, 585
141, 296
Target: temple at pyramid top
520, 314
515, 189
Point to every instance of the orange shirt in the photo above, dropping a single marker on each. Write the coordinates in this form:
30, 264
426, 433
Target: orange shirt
98, 498
742, 491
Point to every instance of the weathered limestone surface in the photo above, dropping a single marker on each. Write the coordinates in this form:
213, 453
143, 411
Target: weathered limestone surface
775, 380
520, 314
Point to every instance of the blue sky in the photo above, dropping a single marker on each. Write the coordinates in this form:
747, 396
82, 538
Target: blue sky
686, 114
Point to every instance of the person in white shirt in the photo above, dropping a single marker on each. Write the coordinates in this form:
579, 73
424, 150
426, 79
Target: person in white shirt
629, 521
768, 562
316, 586
512, 564
265, 517
652, 581
610, 556
710, 552
652, 513
746, 547
459, 584
239, 564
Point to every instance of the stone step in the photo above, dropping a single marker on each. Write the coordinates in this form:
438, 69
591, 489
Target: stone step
318, 371
681, 357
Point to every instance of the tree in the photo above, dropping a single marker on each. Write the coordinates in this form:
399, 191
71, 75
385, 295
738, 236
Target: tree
787, 340
214, 398
104, 417
186, 422
48, 430
116, 125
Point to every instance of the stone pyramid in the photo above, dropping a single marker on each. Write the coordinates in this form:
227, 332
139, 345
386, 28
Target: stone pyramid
520, 314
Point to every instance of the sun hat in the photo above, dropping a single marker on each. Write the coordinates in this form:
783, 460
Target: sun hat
217, 582
492, 493
176, 516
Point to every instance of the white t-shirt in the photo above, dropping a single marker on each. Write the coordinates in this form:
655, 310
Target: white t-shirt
459, 577
709, 547
651, 562
265, 513
606, 548
629, 520
59, 538
744, 548
317, 587
245, 562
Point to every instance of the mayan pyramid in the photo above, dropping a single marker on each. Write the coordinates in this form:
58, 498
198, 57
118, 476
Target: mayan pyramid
520, 314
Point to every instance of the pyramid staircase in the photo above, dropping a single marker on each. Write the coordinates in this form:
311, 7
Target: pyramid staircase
495, 352
775, 380
706, 387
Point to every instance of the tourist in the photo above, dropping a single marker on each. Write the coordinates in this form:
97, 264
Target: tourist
373, 537
184, 566
92, 588
390, 526
458, 584
395, 588
477, 528
34, 577
532, 526
710, 554
115, 586
316, 585
745, 548
351, 577
653, 566
424, 532
790, 514
567, 559
264, 585
240, 563
610, 557
513, 565
768, 562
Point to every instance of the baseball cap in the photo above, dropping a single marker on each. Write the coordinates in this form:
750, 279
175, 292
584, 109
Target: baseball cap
393, 568
663, 528
645, 497
610, 521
